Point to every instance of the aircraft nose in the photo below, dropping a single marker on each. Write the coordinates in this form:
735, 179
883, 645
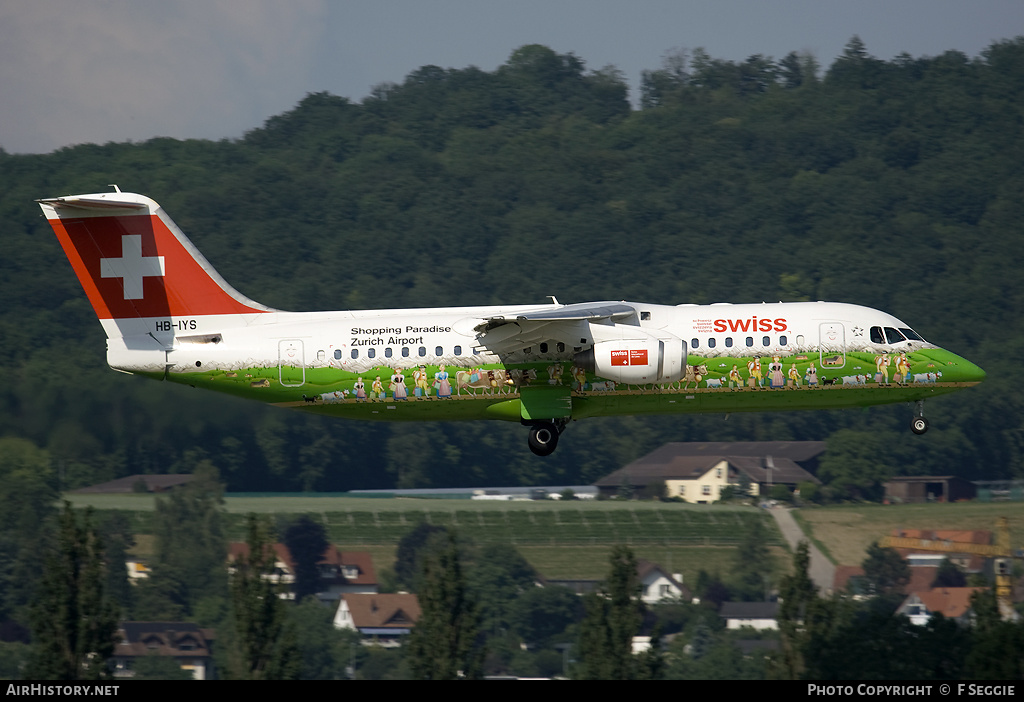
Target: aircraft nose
964, 371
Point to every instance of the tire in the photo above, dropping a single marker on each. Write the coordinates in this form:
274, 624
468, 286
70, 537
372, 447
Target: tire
919, 425
543, 439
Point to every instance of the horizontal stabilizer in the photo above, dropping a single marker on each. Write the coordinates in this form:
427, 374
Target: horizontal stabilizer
84, 203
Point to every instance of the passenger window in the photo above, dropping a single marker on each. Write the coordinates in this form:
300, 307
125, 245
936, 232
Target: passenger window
560, 347
750, 341
337, 354
438, 351
876, 335
766, 341
728, 342
893, 336
355, 353
458, 350
387, 352
711, 343
370, 353
423, 350
543, 347
694, 343
782, 341
645, 316
405, 352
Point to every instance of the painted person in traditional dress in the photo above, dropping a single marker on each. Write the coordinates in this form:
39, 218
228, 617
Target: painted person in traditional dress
778, 379
360, 390
397, 386
444, 388
419, 377
377, 390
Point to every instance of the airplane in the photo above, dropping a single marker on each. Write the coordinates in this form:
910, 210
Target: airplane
168, 315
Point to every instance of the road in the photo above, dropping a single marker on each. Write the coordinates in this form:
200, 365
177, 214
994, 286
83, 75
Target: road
822, 571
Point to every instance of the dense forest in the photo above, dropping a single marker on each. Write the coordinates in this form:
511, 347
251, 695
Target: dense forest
894, 184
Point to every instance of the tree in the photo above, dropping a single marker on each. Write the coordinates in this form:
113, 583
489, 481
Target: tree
190, 550
74, 622
265, 647
444, 643
753, 564
410, 550
949, 575
306, 540
885, 571
797, 596
613, 618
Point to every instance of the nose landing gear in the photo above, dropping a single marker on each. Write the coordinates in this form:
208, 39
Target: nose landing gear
543, 437
919, 425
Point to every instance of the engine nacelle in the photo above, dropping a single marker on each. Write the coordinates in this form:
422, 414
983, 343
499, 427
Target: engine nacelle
636, 361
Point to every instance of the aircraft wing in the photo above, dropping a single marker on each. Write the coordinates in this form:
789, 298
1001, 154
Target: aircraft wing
501, 334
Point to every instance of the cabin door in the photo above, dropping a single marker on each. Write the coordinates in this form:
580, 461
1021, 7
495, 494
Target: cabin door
832, 345
291, 364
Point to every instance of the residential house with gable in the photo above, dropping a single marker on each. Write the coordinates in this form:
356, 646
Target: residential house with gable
341, 572
190, 645
382, 619
952, 602
699, 471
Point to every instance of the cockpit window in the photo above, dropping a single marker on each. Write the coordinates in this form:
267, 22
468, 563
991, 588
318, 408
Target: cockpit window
893, 336
911, 334
876, 335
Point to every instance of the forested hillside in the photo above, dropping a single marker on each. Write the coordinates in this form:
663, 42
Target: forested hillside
894, 184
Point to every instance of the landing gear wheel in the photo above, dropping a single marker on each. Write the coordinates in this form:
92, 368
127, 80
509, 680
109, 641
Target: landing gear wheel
543, 439
919, 425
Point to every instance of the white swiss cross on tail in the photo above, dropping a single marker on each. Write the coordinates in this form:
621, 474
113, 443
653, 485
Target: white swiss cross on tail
132, 267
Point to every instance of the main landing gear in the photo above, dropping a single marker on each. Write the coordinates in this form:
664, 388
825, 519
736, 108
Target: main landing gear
919, 425
544, 436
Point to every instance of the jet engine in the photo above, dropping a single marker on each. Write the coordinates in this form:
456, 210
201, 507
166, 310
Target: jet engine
636, 361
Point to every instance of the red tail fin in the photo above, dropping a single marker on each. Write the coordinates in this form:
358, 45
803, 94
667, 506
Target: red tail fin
135, 263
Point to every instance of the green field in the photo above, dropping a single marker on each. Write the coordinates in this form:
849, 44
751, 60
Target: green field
560, 539
363, 522
846, 531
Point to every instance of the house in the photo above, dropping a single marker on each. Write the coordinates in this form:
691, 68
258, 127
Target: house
659, 585
189, 645
952, 602
756, 615
929, 488
382, 619
139, 483
698, 471
340, 571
